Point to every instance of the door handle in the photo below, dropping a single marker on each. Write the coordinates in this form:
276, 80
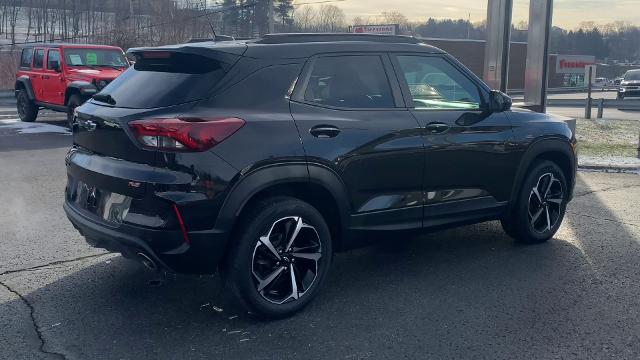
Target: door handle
324, 131
436, 127
45, 76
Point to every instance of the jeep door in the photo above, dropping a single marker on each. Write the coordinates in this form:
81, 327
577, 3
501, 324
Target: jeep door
352, 119
468, 165
54, 85
37, 75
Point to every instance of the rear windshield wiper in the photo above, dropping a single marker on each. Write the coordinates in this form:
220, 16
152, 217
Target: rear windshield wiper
105, 98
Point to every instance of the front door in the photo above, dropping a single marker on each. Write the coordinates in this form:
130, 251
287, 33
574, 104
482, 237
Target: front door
351, 118
468, 168
54, 83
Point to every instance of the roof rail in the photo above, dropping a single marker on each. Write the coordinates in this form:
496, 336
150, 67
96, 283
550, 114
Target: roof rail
285, 38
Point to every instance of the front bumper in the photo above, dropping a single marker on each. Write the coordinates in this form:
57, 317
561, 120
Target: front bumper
200, 256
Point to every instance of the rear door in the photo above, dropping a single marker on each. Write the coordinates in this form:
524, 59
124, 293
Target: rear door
468, 168
37, 75
352, 119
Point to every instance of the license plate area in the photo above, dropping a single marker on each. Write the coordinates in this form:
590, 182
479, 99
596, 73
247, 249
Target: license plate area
106, 205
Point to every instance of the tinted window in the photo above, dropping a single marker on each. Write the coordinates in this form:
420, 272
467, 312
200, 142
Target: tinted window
349, 81
27, 56
172, 79
436, 84
53, 59
38, 58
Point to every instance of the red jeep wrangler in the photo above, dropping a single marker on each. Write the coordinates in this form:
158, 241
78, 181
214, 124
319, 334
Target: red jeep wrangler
61, 77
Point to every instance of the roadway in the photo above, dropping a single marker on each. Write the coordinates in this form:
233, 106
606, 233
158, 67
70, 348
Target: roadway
462, 293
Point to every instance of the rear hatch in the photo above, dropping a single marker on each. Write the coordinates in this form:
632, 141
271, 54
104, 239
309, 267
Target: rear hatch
111, 173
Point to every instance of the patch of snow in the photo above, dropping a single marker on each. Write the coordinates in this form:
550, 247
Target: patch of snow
33, 128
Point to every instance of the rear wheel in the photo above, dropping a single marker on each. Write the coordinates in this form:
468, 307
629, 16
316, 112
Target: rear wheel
74, 101
281, 257
540, 205
27, 109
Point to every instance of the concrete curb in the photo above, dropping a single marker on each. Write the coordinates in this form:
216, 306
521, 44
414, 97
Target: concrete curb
618, 169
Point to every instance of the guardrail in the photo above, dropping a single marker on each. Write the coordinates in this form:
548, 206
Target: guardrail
600, 104
566, 90
597, 103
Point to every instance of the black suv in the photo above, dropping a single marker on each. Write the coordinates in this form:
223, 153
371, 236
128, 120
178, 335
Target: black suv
262, 158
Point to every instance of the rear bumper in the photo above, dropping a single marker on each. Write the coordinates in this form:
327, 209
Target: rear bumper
200, 256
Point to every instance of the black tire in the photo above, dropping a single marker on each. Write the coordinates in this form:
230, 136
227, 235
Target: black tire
535, 219
275, 219
75, 100
27, 109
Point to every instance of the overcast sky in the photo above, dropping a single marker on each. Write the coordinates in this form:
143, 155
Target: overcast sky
567, 13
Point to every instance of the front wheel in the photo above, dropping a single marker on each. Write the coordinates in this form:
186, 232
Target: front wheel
280, 258
74, 101
540, 205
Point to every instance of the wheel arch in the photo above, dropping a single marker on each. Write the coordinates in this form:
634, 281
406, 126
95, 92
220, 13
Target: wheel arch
23, 82
556, 150
83, 88
314, 184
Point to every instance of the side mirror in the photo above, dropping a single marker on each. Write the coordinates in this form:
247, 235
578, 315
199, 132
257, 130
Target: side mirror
56, 67
499, 101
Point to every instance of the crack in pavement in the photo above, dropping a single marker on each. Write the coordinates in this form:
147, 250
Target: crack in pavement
605, 190
600, 218
34, 322
54, 263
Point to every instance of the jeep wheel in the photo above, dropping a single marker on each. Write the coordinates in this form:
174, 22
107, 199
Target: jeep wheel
280, 258
74, 101
27, 109
540, 205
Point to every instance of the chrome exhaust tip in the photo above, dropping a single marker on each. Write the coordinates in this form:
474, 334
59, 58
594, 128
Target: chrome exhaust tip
147, 262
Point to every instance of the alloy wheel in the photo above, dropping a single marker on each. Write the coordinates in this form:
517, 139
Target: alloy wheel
285, 260
545, 203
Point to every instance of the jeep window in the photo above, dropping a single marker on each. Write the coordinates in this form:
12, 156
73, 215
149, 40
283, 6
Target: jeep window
83, 57
354, 81
436, 84
164, 79
53, 60
38, 59
25, 59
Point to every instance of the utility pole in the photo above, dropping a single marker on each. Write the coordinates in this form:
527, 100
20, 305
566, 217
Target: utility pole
270, 16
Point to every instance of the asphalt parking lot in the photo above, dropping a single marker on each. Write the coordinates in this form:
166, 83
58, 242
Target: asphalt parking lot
462, 293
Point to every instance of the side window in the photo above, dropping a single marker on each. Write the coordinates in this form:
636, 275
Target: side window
436, 84
53, 60
352, 81
38, 59
25, 59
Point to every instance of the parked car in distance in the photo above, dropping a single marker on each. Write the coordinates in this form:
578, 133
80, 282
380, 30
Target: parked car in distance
262, 158
61, 77
600, 83
630, 85
616, 82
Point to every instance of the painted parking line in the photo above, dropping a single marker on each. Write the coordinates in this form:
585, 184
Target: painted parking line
32, 128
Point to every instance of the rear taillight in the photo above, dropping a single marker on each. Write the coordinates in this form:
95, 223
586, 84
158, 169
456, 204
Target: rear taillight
184, 134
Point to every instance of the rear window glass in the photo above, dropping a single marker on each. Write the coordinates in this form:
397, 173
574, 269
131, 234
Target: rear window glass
38, 59
165, 80
25, 60
349, 81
